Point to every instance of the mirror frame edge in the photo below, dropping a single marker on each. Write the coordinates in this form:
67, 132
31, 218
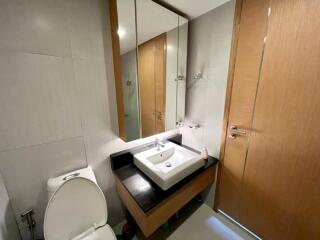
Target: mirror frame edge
117, 67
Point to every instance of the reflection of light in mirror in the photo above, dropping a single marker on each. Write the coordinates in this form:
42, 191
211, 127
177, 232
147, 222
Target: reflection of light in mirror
169, 47
220, 228
121, 32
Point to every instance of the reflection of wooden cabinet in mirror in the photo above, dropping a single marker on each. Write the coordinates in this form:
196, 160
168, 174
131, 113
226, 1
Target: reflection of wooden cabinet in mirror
149, 52
152, 65
117, 66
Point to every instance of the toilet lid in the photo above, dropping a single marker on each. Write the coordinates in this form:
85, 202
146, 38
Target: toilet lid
104, 233
75, 207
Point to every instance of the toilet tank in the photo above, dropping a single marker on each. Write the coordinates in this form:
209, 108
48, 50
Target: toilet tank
54, 183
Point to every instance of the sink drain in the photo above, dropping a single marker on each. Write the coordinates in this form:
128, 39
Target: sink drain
168, 164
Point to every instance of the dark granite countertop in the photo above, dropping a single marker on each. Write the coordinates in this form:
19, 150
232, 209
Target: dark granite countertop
143, 190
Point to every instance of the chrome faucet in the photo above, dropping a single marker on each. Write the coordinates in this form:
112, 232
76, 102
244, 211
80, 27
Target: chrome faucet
159, 143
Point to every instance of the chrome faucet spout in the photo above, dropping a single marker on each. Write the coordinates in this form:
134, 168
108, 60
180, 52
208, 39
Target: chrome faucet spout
159, 144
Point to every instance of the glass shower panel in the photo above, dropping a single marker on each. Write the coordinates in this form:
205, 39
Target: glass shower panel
128, 55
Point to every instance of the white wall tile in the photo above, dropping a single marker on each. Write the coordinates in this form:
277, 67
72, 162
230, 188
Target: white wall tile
182, 71
91, 85
47, 102
171, 75
196, 104
34, 26
196, 101
87, 27
98, 149
192, 137
208, 52
215, 99
26, 171
37, 100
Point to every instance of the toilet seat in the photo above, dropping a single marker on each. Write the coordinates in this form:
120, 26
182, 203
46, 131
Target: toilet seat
77, 210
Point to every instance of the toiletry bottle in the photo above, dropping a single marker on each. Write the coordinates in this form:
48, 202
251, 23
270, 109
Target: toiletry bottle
204, 154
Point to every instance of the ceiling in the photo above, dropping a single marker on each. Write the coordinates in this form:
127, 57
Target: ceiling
194, 8
153, 19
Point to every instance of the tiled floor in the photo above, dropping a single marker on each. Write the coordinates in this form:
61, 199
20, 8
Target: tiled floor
198, 221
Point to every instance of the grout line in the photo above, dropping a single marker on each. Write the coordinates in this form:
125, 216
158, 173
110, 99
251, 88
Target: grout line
85, 151
33, 53
44, 143
68, 23
53, 56
78, 97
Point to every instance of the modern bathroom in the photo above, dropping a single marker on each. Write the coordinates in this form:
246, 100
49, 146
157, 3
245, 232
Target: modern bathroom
159, 119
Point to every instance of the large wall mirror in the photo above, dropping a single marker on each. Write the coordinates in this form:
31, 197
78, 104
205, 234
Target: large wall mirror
150, 58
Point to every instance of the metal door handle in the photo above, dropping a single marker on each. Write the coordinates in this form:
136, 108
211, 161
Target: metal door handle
235, 131
157, 114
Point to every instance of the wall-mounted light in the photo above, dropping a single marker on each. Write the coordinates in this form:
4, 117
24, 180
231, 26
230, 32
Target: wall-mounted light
121, 32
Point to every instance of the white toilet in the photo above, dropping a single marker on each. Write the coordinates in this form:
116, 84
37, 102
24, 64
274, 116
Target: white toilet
76, 209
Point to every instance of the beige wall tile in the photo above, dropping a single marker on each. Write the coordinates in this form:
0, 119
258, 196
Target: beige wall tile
87, 26
37, 100
26, 171
91, 86
35, 26
208, 52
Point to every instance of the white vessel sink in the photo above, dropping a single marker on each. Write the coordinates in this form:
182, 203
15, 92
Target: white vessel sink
169, 164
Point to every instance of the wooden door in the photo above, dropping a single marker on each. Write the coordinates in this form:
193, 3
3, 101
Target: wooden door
152, 59
275, 178
254, 15
160, 81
